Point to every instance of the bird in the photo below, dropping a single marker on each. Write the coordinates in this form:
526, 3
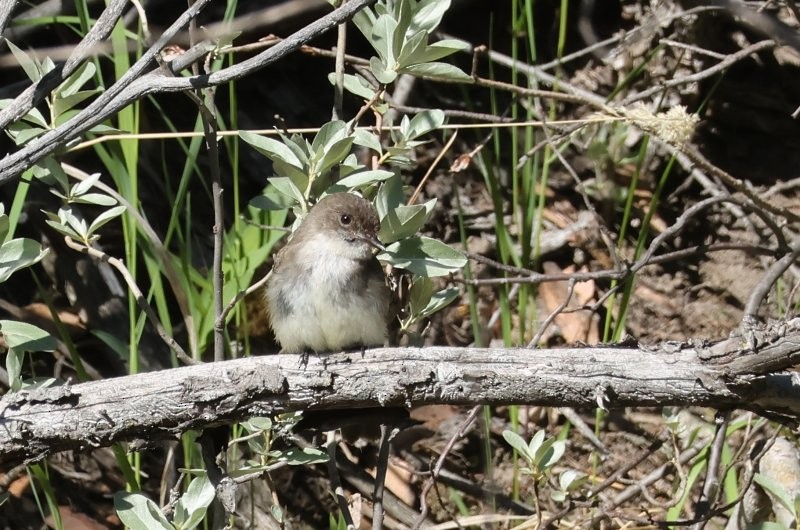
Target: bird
327, 290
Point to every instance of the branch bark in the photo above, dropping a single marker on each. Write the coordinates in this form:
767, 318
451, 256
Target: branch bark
35, 423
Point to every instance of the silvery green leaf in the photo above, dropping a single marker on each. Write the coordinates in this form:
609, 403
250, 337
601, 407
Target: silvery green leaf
777, 490
299, 146
17, 254
33, 115
98, 199
437, 50
272, 149
428, 15
402, 222
63, 229
413, 48
257, 424
328, 135
355, 84
335, 154
570, 478
420, 294
389, 197
63, 104
423, 256
21, 133
75, 81
26, 337
84, 185
358, 179
424, 122
4, 223
444, 71
105, 217
298, 176
137, 512
400, 35
191, 507
364, 138
364, 20
382, 40
14, 368
518, 444
285, 186
273, 200
28, 65
549, 453
536, 442
383, 72
439, 300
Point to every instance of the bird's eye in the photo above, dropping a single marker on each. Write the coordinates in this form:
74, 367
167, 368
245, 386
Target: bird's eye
345, 219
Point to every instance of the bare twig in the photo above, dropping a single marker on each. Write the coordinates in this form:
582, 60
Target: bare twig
137, 293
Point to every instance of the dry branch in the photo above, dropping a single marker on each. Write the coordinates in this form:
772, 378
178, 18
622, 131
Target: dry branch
727, 374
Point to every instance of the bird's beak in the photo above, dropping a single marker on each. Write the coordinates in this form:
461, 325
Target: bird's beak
373, 241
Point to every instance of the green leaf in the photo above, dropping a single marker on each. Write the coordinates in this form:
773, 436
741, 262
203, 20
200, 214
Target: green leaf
439, 301
389, 197
424, 122
328, 135
63, 104
14, 368
443, 71
536, 442
364, 138
28, 65
383, 72
22, 133
105, 217
382, 38
74, 82
272, 149
777, 490
33, 115
424, 256
518, 444
17, 254
402, 222
286, 186
24, 337
428, 15
437, 50
358, 179
98, 199
419, 295
355, 84
191, 507
550, 453
4, 224
298, 177
273, 200
63, 229
137, 512
412, 49
334, 155
84, 185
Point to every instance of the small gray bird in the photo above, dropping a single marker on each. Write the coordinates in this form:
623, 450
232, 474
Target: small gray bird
327, 291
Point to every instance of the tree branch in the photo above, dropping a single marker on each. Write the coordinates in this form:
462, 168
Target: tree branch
133, 85
35, 423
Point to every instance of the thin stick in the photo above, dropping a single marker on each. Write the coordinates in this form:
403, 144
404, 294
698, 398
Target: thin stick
137, 293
